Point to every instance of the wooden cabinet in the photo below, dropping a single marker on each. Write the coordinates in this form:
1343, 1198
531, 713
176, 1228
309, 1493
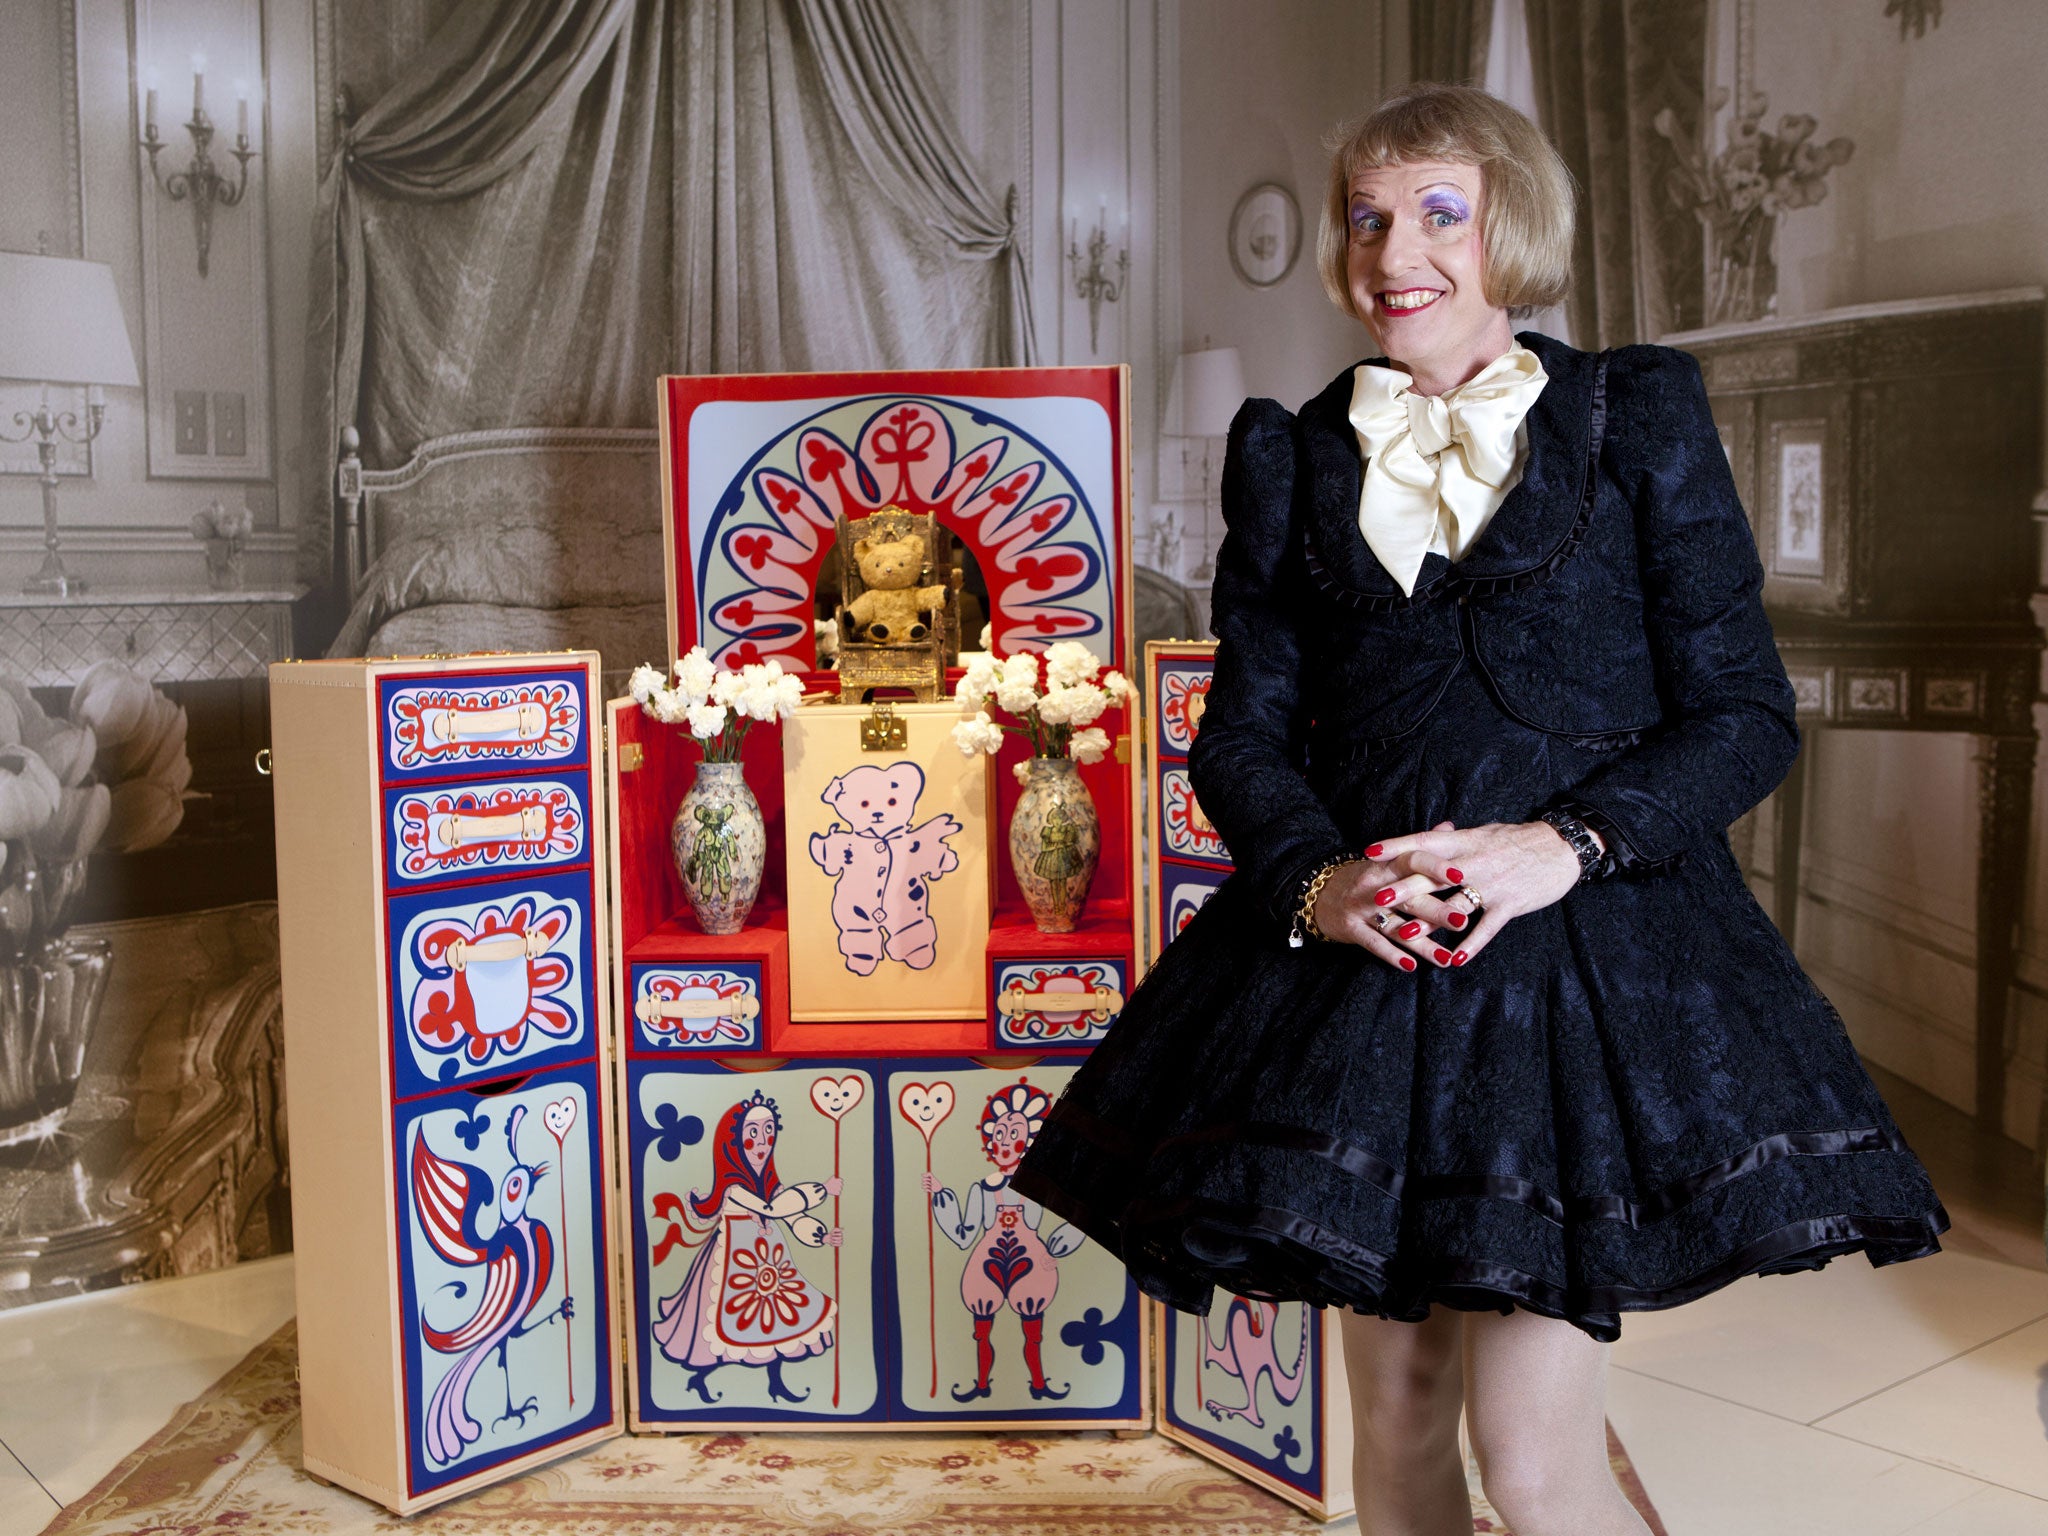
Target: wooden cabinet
448, 1067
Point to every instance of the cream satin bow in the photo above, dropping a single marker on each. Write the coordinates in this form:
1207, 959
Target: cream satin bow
1451, 457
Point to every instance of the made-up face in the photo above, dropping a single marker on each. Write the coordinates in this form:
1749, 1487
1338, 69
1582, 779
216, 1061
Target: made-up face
1414, 264
757, 1138
1007, 1140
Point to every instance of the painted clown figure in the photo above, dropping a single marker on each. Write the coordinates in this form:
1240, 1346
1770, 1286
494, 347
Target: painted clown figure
743, 1301
1010, 1263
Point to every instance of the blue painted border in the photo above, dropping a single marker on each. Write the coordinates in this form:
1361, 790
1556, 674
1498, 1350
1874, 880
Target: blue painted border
494, 764
576, 781
573, 887
584, 1075
1311, 1481
639, 1133
1126, 1329
644, 1039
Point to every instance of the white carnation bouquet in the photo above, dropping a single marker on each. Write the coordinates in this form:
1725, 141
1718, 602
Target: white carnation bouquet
1055, 707
716, 705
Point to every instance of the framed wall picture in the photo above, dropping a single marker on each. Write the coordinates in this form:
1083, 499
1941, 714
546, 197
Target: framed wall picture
1265, 234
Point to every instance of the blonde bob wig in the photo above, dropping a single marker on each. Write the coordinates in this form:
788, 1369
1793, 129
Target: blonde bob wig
1526, 193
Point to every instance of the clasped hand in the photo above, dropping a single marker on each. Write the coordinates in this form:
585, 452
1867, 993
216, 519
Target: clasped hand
1387, 902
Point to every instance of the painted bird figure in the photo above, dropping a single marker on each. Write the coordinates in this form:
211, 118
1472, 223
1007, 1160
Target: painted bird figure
518, 1258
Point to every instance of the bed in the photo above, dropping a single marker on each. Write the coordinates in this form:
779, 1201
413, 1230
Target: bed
516, 539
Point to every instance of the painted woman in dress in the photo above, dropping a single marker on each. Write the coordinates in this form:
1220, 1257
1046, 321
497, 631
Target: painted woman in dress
1010, 1263
744, 1302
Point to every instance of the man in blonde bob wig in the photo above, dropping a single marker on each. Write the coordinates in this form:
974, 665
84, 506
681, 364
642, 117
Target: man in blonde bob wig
1525, 222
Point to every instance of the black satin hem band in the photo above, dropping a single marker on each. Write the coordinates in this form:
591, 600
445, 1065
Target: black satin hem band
1397, 1184
1210, 1248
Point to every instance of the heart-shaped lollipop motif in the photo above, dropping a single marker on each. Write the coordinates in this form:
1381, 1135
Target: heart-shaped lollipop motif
834, 1096
558, 1117
925, 1105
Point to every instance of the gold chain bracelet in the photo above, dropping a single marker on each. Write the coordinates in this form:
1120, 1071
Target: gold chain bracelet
1305, 914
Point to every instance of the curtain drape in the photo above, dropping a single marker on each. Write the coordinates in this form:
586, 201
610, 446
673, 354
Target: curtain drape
1447, 40
1603, 70
560, 200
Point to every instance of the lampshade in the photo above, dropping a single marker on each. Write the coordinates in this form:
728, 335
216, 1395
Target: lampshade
60, 322
1207, 389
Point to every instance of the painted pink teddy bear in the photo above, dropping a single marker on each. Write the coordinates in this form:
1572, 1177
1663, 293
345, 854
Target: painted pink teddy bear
883, 866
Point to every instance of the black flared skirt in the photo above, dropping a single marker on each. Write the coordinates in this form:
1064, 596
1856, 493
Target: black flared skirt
1628, 1099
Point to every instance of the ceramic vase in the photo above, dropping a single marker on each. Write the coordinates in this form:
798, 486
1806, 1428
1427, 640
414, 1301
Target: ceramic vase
1055, 843
720, 846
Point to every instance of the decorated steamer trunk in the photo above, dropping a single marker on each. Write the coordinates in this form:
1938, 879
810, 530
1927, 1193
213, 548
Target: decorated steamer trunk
823, 1109
1254, 1386
441, 916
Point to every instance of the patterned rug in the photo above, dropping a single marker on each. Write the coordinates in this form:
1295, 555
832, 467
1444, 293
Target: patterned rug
229, 1461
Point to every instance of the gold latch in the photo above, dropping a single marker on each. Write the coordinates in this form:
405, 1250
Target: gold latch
631, 756
883, 730
1123, 748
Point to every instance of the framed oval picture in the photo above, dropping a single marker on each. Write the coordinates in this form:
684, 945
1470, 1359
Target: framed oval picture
1265, 234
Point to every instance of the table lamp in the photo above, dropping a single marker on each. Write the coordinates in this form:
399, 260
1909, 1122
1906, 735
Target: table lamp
60, 323
1207, 389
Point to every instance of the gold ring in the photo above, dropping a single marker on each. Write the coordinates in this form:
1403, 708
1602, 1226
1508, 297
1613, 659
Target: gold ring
1471, 895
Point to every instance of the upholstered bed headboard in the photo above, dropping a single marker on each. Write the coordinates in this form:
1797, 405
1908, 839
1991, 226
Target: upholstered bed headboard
510, 539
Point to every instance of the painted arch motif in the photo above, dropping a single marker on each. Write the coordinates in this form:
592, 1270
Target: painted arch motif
1041, 547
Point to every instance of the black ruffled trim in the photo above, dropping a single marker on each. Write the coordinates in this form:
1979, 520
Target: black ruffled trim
1397, 1184
1454, 582
1214, 1237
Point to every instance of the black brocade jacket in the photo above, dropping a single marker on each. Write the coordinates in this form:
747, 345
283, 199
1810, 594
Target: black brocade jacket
1613, 598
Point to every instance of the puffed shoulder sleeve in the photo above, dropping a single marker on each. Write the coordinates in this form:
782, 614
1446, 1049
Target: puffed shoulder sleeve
1729, 736
1248, 755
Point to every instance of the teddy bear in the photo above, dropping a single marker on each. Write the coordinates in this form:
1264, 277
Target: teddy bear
882, 866
892, 610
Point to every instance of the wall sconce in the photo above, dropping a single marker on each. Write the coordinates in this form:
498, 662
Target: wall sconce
1095, 284
201, 182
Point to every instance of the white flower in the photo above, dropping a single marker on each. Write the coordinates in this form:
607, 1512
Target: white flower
1017, 691
725, 688
788, 694
1022, 769
642, 684
981, 734
694, 674
1021, 666
1088, 746
1081, 704
979, 681
706, 720
1068, 662
988, 632
1116, 685
668, 706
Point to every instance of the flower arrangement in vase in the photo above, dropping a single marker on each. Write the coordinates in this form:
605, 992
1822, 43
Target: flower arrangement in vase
718, 838
110, 775
225, 535
1743, 192
1055, 835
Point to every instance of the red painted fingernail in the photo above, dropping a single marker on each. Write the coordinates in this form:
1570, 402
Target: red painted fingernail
1373, 851
1385, 895
1411, 930
1441, 956
1455, 876
1457, 919
1458, 958
1407, 963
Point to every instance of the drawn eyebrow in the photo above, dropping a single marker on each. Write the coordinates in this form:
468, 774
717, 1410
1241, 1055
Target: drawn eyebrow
1425, 187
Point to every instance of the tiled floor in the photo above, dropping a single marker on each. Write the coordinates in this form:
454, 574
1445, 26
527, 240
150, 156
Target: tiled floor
1907, 1401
